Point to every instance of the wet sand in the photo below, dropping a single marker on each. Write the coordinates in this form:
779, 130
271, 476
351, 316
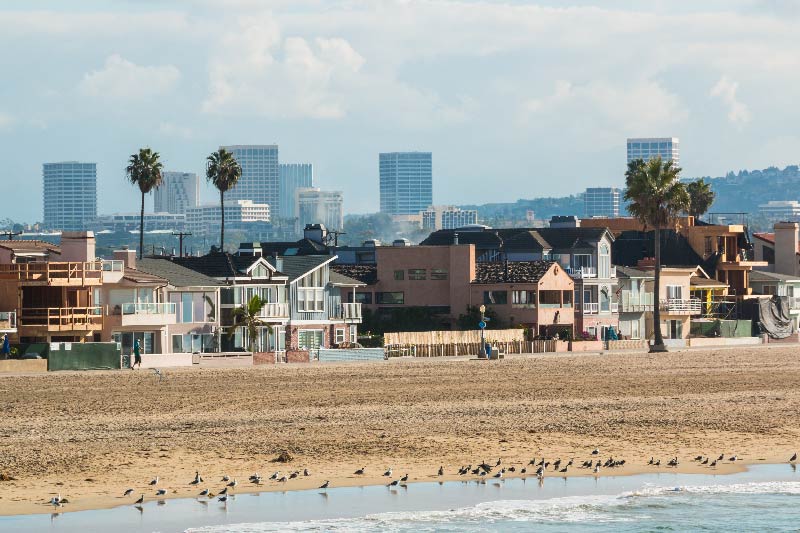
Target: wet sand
91, 435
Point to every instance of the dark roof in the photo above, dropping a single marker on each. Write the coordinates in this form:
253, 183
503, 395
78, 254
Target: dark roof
218, 264
297, 266
301, 247
521, 238
341, 279
177, 275
526, 240
760, 275
628, 272
137, 275
565, 238
632, 246
517, 271
364, 273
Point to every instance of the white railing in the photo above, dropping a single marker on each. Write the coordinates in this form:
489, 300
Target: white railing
275, 310
8, 320
113, 265
636, 302
681, 306
351, 311
591, 308
583, 272
148, 309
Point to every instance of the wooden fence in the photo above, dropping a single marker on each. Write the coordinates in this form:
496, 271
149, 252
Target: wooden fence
471, 348
454, 337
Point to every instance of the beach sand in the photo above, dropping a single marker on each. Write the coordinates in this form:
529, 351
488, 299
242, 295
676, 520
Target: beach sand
91, 435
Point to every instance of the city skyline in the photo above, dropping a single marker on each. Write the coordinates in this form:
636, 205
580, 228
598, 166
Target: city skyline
540, 114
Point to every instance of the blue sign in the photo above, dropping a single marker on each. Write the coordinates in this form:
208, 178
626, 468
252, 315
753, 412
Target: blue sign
482, 324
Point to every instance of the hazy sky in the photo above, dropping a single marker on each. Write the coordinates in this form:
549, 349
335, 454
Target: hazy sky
515, 99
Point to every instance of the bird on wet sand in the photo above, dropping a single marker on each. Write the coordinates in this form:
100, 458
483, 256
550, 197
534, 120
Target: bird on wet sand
283, 479
294, 475
225, 479
596, 451
441, 471
275, 475
223, 498
394, 483
306, 473
499, 475
140, 500
733, 458
388, 473
360, 471
204, 492
325, 485
161, 492
404, 479
128, 492
713, 463
224, 491
197, 479
793, 458
705, 461
56, 500
154, 481
233, 483
597, 469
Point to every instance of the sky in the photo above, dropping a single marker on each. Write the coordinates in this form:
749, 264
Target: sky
515, 99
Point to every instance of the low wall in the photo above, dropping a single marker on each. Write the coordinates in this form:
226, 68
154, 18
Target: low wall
723, 341
23, 365
264, 358
355, 354
166, 360
586, 346
223, 360
675, 343
297, 356
629, 344
562, 346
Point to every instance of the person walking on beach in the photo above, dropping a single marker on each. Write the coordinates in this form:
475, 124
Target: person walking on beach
6, 350
137, 354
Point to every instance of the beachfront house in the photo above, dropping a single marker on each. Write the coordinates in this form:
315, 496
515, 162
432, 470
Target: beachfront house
773, 284
635, 301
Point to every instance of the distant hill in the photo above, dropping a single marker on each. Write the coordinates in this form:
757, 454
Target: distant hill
745, 190
496, 214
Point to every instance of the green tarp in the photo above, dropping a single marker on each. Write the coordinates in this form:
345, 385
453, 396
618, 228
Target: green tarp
722, 328
83, 356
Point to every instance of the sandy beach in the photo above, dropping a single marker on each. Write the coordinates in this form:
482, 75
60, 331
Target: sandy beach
91, 435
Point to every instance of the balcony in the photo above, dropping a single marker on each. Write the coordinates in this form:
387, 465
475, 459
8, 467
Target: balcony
583, 272
591, 308
148, 314
8, 322
62, 318
347, 312
55, 274
636, 302
679, 306
275, 310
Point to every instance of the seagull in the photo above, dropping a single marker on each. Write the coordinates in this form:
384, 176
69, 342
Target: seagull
532, 462
393, 483
596, 451
732, 458
498, 475
713, 463
651, 461
441, 470
523, 471
325, 485
56, 500
128, 492
657, 463
155, 481
540, 471
140, 500
360, 471
721, 457
233, 483
275, 475
223, 499
698, 458
793, 458
294, 475
705, 461
498, 462
161, 492
512, 468
255, 480
203, 493
197, 479
564, 470
388, 473
224, 491
283, 479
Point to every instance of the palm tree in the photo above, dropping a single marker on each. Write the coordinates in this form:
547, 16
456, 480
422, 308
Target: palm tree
656, 198
700, 197
144, 170
223, 171
247, 317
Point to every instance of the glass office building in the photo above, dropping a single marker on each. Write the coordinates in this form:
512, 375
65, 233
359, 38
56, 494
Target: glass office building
69, 195
406, 182
601, 202
260, 181
648, 148
178, 192
293, 176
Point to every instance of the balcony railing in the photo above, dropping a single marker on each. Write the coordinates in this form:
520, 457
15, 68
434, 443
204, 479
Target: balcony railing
679, 306
636, 302
794, 303
62, 318
591, 308
8, 320
348, 312
275, 310
583, 272
67, 273
113, 265
148, 309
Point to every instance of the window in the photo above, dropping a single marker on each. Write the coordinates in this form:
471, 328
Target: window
523, 297
339, 336
635, 330
581, 260
310, 300
439, 273
353, 333
495, 297
416, 274
260, 272
772, 290
674, 292
389, 298
399, 275
362, 298
310, 339
605, 301
708, 246
604, 262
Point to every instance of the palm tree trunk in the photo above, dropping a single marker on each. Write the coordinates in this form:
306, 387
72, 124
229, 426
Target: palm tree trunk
141, 230
658, 343
222, 221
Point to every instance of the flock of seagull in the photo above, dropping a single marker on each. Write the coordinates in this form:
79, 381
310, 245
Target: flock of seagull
482, 471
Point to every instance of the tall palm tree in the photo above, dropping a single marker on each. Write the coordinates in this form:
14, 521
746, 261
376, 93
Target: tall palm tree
656, 198
247, 317
700, 197
223, 171
144, 170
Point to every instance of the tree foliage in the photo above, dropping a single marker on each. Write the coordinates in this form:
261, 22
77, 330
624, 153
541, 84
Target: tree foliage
700, 197
144, 171
223, 172
247, 317
470, 319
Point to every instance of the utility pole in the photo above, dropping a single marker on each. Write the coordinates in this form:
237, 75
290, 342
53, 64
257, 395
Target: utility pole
10, 234
180, 235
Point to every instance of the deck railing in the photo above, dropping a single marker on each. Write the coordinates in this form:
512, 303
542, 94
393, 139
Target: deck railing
62, 318
681, 306
60, 273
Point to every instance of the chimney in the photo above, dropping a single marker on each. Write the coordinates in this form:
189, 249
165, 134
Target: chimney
78, 246
127, 256
455, 238
786, 236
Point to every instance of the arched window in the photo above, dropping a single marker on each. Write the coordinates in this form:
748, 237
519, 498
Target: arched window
604, 262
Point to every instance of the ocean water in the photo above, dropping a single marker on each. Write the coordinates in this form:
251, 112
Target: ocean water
765, 498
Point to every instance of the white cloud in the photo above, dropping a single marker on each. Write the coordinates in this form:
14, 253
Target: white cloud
725, 90
120, 79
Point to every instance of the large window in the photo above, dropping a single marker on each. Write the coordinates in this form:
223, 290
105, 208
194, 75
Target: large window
439, 273
389, 298
193, 307
361, 297
399, 275
192, 343
416, 274
674, 292
604, 262
495, 297
311, 293
126, 339
523, 297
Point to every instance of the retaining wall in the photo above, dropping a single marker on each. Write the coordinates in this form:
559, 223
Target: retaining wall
355, 354
166, 360
629, 344
23, 365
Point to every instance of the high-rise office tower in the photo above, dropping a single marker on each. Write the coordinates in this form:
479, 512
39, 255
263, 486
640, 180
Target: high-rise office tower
648, 148
260, 176
293, 176
601, 202
69, 195
315, 206
178, 192
406, 182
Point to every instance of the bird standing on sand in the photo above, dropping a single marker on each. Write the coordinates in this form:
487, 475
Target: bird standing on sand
404, 479
394, 483
733, 458
197, 479
161, 492
225, 479
224, 491
233, 483
441, 471
203, 492
154, 481
360, 471
306, 473
283, 479
325, 485
128, 492
793, 458
275, 475
596, 451
140, 500
294, 475
597, 469
388, 473
56, 500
